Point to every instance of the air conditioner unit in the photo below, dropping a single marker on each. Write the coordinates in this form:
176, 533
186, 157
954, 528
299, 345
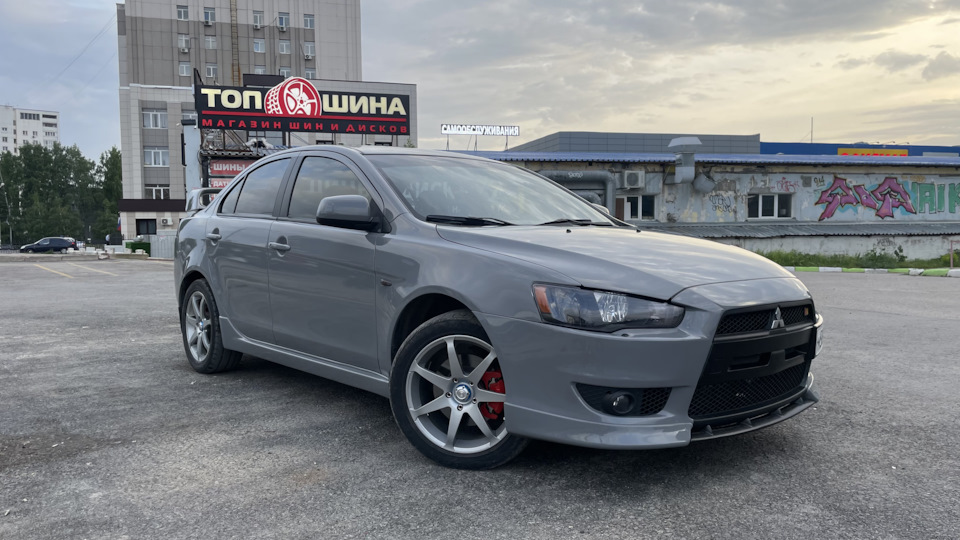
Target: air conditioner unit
308, 57
208, 23
184, 49
256, 26
164, 221
633, 179
282, 28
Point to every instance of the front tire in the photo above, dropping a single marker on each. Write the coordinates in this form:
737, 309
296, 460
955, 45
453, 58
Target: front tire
200, 328
447, 393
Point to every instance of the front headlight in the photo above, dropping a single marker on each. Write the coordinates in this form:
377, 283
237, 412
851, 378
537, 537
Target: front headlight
604, 311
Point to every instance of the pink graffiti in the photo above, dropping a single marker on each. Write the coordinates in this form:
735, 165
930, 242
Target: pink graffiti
883, 199
787, 186
835, 200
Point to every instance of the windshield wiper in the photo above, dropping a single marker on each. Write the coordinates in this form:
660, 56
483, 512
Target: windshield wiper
580, 222
466, 220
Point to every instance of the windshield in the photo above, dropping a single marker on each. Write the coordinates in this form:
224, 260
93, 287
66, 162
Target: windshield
441, 188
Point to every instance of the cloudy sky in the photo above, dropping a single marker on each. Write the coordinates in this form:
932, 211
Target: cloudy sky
863, 70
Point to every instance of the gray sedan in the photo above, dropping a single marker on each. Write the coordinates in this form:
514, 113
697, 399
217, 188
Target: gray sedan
490, 305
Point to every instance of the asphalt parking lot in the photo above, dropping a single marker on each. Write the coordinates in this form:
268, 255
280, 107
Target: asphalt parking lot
106, 432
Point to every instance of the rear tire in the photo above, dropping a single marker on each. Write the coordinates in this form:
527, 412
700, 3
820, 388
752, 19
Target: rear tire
200, 328
447, 393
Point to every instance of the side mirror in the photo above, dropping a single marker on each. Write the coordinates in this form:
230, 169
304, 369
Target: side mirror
348, 212
601, 208
198, 199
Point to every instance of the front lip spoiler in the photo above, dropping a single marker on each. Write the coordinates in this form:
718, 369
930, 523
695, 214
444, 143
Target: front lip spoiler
793, 407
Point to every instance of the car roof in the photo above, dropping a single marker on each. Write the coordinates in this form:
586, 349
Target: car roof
355, 151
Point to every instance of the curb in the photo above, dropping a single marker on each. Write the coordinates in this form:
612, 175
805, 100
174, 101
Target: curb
935, 272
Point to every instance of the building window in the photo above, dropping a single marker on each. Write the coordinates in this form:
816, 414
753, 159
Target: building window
157, 192
284, 72
283, 20
48, 134
260, 70
4, 139
210, 42
156, 157
259, 45
154, 119
184, 69
29, 116
45, 124
210, 14
183, 41
777, 205
146, 226
24, 132
183, 13
5, 129
284, 46
310, 73
258, 18
212, 71
188, 115
641, 207
34, 133
307, 20
50, 116
310, 48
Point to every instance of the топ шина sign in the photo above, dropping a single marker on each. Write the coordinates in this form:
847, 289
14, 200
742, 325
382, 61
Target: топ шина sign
296, 105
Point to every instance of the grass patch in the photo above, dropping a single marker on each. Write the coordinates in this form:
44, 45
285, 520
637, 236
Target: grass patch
938, 272
874, 259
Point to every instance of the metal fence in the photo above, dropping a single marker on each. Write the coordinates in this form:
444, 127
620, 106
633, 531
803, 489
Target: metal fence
161, 246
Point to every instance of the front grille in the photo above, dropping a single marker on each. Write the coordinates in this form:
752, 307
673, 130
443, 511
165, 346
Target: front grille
728, 397
796, 314
762, 319
739, 323
649, 400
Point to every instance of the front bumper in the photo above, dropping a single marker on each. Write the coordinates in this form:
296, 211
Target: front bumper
544, 364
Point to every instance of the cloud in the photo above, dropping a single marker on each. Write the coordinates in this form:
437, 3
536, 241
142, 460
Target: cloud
852, 63
944, 65
897, 61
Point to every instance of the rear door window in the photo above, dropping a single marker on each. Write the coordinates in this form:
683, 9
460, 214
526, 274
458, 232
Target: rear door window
259, 191
319, 178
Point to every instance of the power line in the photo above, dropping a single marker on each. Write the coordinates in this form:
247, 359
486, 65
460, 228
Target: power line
89, 43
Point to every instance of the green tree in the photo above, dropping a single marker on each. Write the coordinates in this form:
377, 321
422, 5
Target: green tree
56, 191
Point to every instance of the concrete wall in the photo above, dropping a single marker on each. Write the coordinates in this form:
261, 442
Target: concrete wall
912, 247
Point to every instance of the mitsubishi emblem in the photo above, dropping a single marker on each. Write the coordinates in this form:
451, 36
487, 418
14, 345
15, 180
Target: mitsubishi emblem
777, 320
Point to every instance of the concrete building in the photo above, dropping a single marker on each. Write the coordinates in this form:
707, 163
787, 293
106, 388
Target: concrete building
830, 204
162, 43
27, 126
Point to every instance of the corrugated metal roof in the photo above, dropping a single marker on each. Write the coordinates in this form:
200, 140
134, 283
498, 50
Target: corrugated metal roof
253, 153
780, 229
733, 159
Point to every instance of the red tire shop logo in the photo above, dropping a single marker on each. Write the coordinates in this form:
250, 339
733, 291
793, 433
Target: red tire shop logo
294, 97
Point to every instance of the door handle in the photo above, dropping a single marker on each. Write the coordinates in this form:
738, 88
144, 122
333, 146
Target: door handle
278, 246
214, 236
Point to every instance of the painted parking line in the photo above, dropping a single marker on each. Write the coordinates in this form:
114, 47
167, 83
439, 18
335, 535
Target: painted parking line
54, 271
94, 270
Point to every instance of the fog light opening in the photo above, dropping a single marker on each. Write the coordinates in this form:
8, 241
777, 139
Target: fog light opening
619, 403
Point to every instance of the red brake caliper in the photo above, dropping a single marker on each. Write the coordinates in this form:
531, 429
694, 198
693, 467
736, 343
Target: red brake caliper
492, 381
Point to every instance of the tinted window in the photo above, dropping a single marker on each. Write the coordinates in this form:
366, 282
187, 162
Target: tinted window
259, 193
319, 178
229, 204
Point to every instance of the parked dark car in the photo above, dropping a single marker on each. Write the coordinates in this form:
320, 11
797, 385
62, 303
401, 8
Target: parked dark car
490, 305
51, 244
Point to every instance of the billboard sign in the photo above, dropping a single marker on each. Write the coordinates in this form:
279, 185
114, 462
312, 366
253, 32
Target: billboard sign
228, 167
872, 151
297, 105
476, 129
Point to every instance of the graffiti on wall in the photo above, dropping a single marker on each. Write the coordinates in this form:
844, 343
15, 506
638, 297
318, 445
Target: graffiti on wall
723, 203
922, 197
883, 199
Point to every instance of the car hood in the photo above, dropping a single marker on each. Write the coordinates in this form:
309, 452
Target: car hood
656, 265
